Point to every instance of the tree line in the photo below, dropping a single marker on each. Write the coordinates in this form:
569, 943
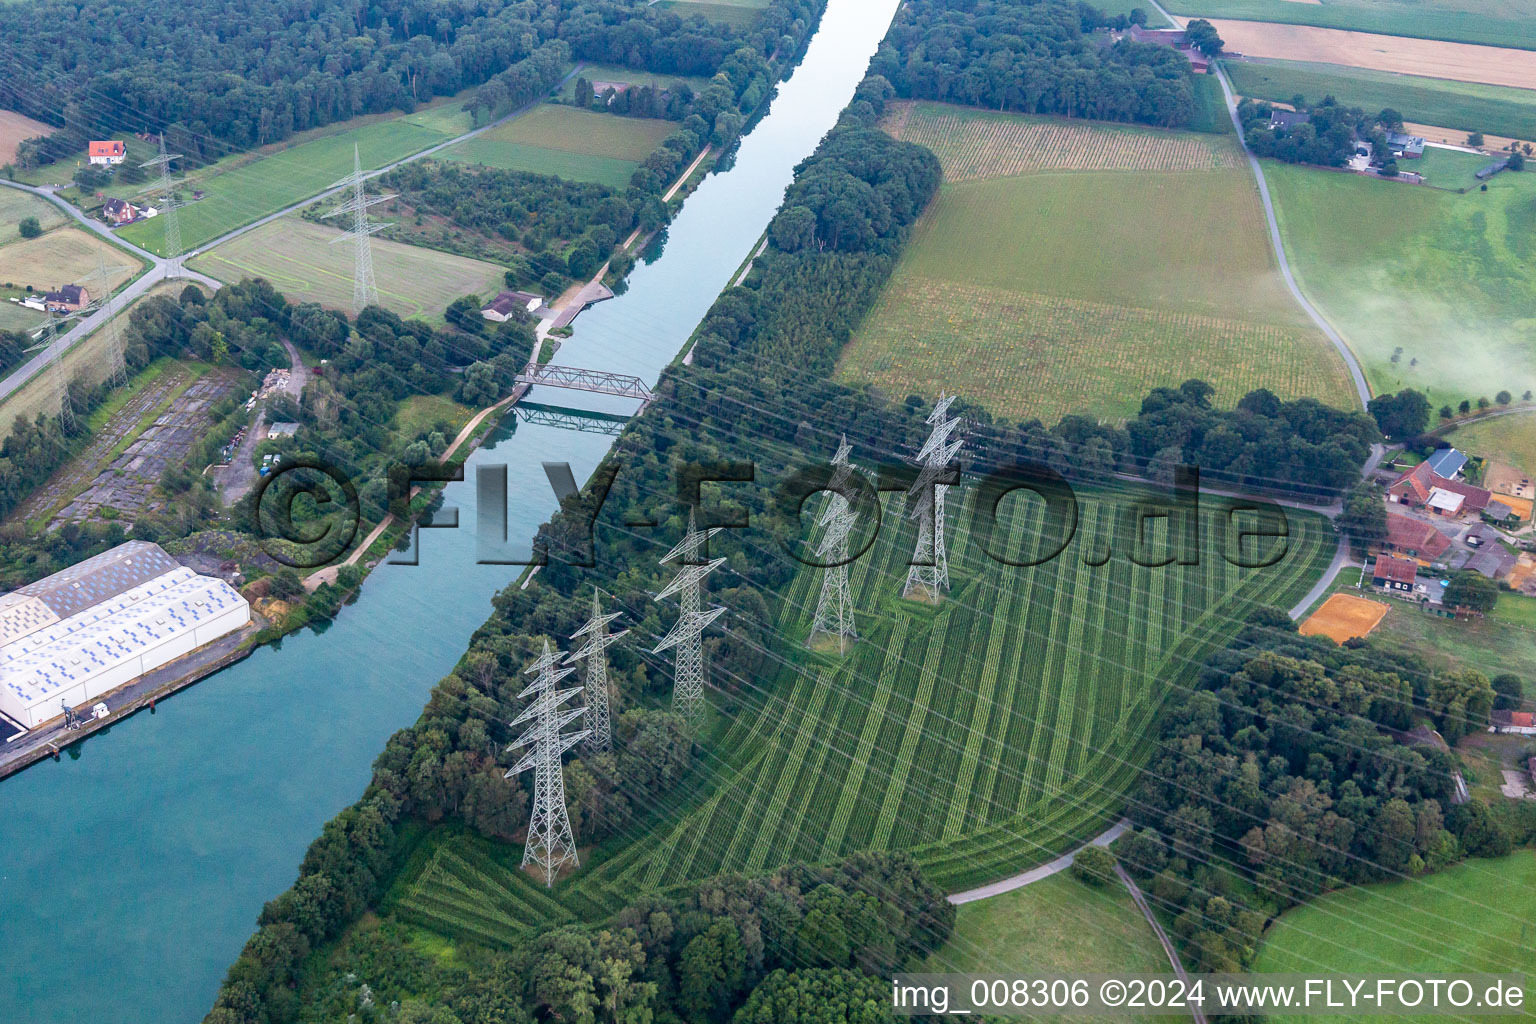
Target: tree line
222, 78
1033, 56
1280, 776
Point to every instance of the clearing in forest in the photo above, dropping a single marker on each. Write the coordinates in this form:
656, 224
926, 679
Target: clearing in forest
298, 258
1462, 62
1046, 294
984, 734
581, 145
1344, 617
973, 143
14, 128
1430, 288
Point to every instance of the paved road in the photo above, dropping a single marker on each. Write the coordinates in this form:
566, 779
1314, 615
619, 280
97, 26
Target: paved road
1362, 389
1035, 874
168, 269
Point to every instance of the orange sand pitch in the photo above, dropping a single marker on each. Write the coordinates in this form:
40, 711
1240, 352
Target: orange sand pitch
1461, 62
1344, 617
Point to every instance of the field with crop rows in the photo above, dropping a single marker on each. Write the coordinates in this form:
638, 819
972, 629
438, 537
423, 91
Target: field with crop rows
985, 734
1468, 106
1057, 292
298, 258
1490, 22
980, 144
581, 145
64, 256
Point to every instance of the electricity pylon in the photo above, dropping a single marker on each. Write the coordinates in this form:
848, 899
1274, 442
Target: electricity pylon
550, 843
834, 608
166, 204
365, 292
929, 573
102, 300
600, 735
687, 633
56, 376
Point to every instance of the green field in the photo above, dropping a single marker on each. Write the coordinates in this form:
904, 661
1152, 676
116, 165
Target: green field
1490, 22
1058, 925
1509, 439
1041, 294
580, 145
1448, 168
249, 186
633, 76
1444, 277
1466, 106
740, 13
1476, 916
16, 206
985, 734
1114, 7
298, 258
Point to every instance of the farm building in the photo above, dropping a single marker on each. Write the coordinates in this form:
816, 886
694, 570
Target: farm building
105, 154
1498, 512
1522, 723
1409, 147
67, 299
1393, 573
1493, 562
68, 639
1288, 118
509, 302
118, 212
1484, 173
1416, 486
1446, 462
1414, 538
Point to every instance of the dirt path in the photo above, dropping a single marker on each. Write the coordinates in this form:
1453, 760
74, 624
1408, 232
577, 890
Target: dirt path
1162, 936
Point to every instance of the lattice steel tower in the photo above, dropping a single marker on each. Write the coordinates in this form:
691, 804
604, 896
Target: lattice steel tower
834, 608
118, 375
365, 292
925, 503
687, 633
599, 735
166, 203
57, 376
550, 843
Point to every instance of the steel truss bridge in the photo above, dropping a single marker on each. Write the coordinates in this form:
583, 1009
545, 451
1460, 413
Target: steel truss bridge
598, 381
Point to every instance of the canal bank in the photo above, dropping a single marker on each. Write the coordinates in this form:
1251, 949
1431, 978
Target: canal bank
132, 870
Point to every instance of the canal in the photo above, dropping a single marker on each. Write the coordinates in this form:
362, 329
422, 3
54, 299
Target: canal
132, 871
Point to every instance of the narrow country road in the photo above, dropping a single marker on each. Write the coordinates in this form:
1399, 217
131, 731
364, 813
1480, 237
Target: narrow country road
172, 269
1035, 874
1362, 389
1162, 936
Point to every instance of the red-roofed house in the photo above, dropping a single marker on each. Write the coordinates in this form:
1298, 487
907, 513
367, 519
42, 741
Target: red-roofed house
1414, 538
104, 153
1522, 723
1393, 573
1417, 486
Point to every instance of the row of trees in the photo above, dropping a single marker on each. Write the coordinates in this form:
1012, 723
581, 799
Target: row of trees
1035, 56
222, 78
1275, 780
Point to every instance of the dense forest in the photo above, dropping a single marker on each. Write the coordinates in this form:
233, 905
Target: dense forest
1033, 56
1279, 777
13, 344
226, 77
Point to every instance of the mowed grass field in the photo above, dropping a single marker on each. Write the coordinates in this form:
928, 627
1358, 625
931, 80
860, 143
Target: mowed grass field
298, 258
740, 13
1507, 439
16, 205
632, 76
1476, 916
581, 145
1058, 925
1042, 294
250, 186
1446, 278
1467, 106
63, 256
985, 734
1490, 22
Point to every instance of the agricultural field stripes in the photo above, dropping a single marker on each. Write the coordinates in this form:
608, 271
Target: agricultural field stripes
973, 144
984, 734
1046, 356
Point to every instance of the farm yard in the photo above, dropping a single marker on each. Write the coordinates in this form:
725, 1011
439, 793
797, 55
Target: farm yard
1043, 294
246, 187
973, 143
1472, 916
1490, 22
16, 128
1461, 62
985, 734
1429, 288
581, 145
298, 258
1462, 106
